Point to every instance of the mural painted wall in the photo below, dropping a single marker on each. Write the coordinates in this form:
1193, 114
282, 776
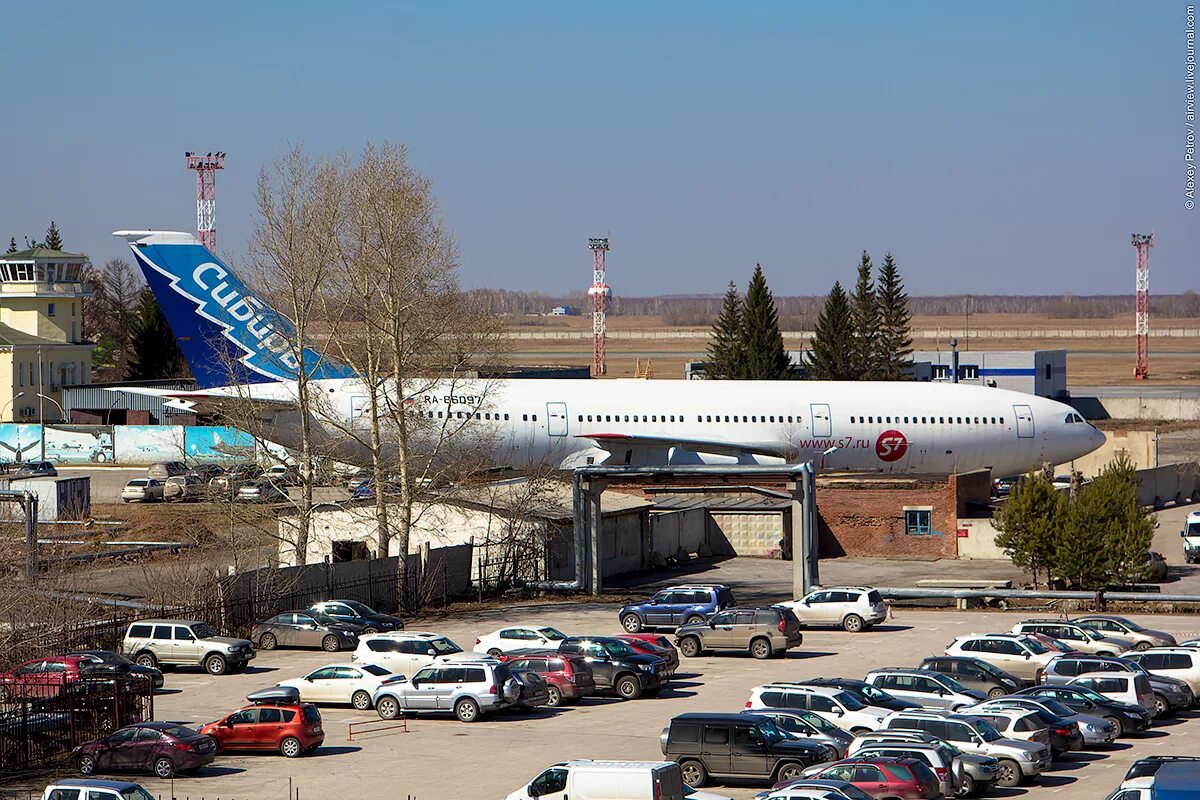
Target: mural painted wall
217, 445
20, 442
135, 445
146, 444
79, 444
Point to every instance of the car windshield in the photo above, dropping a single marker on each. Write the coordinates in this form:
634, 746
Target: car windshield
178, 732
202, 631
874, 694
770, 733
618, 648
1090, 694
1035, 646
850, 701
820, 723
986, 731
554, 634
1055, 707
1091, 634
1131, 625
361, 609
322, 618
444, 646
952, 684
376, 670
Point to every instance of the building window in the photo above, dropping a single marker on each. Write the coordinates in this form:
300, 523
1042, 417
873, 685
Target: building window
21, 373
50, 309
968, 372
916, 521
72, 309
72, 331
1049, 371
941, 372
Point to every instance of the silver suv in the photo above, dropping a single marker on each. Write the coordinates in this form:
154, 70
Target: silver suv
972, 775
930, 689
1078, 636
1019, 760
185, 642
468, 688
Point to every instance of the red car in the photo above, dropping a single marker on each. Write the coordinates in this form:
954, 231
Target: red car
905, 778
653, 644
163, 748
42, 677
568, 677
276, 722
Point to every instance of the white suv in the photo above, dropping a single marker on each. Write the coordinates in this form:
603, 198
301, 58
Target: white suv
1016, 654
403, 652
1171, 662
518, 637
853, 608
930, 689
829, 703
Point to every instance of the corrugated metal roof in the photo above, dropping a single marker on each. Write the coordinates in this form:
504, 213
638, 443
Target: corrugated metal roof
718, 502
552, 499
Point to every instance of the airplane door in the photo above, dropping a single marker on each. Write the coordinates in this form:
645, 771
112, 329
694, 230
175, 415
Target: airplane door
1024, 422
556, 419
822, 425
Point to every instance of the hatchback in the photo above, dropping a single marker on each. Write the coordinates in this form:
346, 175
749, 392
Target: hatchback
930, 689
163, 748
1123, 716
974, 674
853, 608
1125, 628
305, 629
568, 678
879, 777
1125, 687
142, 490
1079, 637
518, 637
354, 684
42, 678
275, 722
354, 611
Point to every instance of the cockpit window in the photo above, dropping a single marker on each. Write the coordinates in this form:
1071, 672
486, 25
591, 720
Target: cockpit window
1072, 418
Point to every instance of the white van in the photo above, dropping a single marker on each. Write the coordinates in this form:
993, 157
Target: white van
1124, 687
605, 780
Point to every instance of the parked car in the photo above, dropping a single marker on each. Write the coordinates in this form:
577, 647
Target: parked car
351, 684
974, 674
1019, 760
518, 637
103, 663
305, 629
807, 725
763, 632
1093, 729
261, 491
41, 678
830, 703
275, 721
165, 469
1173, 779
162, 748
1020, 720
1079, 637
568, 677
929, 689
739, 746
1180, 663
184, 642
184, 487
354, 611
142, 490
1125, 717
604, 779
1016, 655
284, 474
533, 690
971, 775
1149, 765
852, 608
1168, 693
1156, 567
404, 652
1125, 687
867, 692
76, 789
468, 688
651, 644
206, 472
883, 776
812, 788
678, 605
1125, 628
616, 666
226, 483
31, 469
1002, 487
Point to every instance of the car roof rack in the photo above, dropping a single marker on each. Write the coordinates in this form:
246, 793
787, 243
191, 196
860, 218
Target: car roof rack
274, 694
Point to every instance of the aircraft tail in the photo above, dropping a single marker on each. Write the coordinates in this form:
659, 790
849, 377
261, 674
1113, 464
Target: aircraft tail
227, 334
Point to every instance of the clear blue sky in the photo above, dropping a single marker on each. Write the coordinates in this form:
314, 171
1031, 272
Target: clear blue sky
994, 148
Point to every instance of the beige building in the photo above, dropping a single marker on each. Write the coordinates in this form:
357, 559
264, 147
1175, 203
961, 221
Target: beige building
41, 332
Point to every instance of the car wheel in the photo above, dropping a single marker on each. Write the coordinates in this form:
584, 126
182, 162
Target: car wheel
467, 710
789, 772
1142, 646
331, 644
694, 619
1161, 706
995, 692
87, 764
1118, 725
966, 787
360, 700
690, 646
291, 747
216, 664
1010, 773
163, 767
853, 623
146, 660
631, 623
370, 630
268, 642
387, 708
553, 696
495, 652
760, 648
628, 687
694, 774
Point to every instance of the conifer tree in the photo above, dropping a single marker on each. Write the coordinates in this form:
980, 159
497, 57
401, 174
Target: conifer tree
830, 355
1029, 523
726, 359
12, 244
155, 351
1080, 554
762, 343
865, 314
894, 342
1129, 528
53, 239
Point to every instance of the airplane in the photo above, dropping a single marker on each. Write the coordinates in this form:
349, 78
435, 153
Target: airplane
236, 346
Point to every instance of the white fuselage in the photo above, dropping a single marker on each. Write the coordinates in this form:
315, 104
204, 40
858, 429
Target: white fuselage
900, 427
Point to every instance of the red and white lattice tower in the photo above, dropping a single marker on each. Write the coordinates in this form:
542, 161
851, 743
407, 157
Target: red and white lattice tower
600, 294
1142, 243
206, 167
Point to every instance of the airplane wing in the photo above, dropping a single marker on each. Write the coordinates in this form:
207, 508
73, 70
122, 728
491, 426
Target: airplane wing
611, 441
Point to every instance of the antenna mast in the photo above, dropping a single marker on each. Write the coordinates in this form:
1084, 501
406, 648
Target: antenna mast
206, 167
1142, 243
600, 294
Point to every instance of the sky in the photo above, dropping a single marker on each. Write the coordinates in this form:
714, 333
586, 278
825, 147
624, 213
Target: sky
993, 148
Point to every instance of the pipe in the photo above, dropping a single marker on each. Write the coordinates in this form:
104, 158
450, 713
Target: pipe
909, 593
579, 517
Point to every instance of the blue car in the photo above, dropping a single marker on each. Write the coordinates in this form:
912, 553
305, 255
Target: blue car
675, 606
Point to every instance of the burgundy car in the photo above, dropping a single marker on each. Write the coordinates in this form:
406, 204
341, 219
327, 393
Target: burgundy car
653, 644
43, 677
568, 677
905, 778
163, 748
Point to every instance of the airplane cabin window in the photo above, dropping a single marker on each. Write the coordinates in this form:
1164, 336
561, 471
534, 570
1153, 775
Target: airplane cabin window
1002, 420
525, 418
627, 418
941, 420
789, 419
727, 418
505, 417
535, 417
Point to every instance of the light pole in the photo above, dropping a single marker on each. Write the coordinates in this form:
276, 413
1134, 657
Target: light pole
62, 413
42, 421
12, 400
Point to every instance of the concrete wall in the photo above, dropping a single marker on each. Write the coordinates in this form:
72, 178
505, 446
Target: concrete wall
977, 539
672, 530
625, 543
1140, 446
746, 533
1169, 484
1184, 406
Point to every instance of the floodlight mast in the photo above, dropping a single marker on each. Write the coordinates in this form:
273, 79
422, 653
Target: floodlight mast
206, 167
1142, 243
600, 294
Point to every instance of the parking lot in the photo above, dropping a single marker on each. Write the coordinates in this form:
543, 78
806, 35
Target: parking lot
442, 758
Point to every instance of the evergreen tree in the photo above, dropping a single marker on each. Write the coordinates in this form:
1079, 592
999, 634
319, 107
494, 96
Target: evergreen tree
894, 343
865, 315
12, 244
154, 348
830, 355
1029, 523
53, 239
726, 359
762, 343
1129, 529
1080, 554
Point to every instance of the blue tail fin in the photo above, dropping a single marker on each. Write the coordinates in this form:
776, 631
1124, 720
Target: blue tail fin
228, 335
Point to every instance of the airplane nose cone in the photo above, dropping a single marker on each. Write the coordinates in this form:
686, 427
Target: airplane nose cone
1097, 438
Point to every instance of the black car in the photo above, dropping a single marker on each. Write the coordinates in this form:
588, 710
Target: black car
357, 613
1149, 765
534, 691
868, 693
738, 746
104, 663
618, 667
1126, 716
